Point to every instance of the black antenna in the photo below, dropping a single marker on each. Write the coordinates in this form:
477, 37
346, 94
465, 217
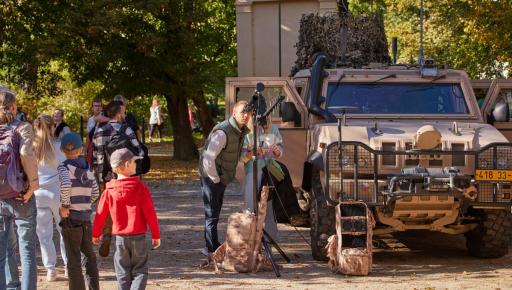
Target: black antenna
279, 36
343, 7
420, 52
394, 48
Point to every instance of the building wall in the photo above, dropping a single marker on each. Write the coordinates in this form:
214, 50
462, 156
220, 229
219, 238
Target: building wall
258, 33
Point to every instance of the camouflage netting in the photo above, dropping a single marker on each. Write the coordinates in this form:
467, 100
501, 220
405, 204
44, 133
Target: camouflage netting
366, 40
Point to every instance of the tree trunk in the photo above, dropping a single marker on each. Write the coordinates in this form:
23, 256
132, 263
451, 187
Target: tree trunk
184, 146
203, 112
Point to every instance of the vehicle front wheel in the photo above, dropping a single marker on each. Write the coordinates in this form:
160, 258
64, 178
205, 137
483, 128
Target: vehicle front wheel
322, 220
491, 238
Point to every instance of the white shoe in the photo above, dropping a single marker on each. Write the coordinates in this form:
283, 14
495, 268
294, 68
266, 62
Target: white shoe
51, 275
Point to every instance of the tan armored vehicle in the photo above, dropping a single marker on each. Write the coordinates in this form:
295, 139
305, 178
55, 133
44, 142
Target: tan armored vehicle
416, 149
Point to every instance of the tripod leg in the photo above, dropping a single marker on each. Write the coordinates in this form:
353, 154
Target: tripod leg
273, 243
266, 247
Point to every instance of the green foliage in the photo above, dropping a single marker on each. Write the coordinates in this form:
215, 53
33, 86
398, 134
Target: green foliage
471, 35
140, 105
175, 48
73, 99
134, 48
366, 6
65, 53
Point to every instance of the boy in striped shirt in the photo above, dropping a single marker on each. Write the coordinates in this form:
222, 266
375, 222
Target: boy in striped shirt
78, 191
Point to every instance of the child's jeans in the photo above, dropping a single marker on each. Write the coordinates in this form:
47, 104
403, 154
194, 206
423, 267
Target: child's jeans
131, 261
78, 239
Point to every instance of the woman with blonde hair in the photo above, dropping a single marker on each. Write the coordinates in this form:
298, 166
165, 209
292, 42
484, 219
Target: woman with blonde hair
48, 194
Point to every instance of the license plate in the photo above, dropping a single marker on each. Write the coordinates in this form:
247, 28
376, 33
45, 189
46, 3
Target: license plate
493, 175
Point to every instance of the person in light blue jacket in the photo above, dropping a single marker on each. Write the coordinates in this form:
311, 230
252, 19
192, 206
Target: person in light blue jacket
46, 149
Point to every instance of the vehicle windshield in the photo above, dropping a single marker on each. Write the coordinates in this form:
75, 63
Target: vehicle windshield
393, 98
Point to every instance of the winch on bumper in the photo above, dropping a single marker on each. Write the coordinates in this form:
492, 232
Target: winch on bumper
419, 181
427, 198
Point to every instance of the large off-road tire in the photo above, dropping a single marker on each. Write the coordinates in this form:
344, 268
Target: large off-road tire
322, 220
492, 236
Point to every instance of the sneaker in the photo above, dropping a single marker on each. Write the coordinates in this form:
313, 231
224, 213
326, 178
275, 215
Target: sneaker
51, 275
105, 245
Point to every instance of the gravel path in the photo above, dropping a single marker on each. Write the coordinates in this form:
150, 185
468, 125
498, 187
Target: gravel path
418, 260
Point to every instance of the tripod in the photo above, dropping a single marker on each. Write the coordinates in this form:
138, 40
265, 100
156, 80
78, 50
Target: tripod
258, 116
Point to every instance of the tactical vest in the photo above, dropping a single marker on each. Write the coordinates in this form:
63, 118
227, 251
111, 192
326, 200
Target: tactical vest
226, 161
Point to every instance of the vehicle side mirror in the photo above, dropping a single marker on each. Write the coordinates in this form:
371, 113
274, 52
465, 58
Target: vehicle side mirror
500, 113
289, 113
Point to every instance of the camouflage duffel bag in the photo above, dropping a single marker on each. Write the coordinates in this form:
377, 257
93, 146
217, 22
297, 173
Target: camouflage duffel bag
241, 252
350, 249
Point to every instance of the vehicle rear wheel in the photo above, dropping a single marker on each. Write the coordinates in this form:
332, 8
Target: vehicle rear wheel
322, 220
491, 238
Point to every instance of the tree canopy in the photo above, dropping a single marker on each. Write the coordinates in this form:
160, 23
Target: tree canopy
471, 35
178, 49
182, 50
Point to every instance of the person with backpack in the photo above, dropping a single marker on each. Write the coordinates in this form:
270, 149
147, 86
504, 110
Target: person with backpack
17, 203
114, 132
129, 118
79, 191
49, 156
60, 128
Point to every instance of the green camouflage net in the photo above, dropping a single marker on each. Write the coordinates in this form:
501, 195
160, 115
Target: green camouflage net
365, 42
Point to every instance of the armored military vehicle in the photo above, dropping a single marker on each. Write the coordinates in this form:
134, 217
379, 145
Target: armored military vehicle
415, 148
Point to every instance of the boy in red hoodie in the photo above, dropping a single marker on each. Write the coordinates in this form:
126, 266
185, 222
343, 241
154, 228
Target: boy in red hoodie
129, 203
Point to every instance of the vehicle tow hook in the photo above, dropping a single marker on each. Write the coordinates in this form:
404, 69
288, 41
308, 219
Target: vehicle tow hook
471, 193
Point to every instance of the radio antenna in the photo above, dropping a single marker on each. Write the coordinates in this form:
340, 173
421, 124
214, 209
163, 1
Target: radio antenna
420, 52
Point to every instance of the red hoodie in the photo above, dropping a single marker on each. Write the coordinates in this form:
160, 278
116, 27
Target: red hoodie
129, 203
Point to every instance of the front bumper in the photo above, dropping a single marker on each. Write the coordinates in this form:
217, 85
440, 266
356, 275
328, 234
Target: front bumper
363, 176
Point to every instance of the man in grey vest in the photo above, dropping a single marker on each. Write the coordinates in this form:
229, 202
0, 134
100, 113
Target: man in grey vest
217, 167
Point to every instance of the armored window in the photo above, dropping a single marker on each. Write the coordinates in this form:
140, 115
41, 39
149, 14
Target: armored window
398, 98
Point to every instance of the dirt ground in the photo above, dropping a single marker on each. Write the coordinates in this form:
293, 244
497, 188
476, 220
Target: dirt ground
416, 260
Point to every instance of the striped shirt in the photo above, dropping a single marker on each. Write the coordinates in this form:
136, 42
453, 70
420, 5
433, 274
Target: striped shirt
102, 136
78, 188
